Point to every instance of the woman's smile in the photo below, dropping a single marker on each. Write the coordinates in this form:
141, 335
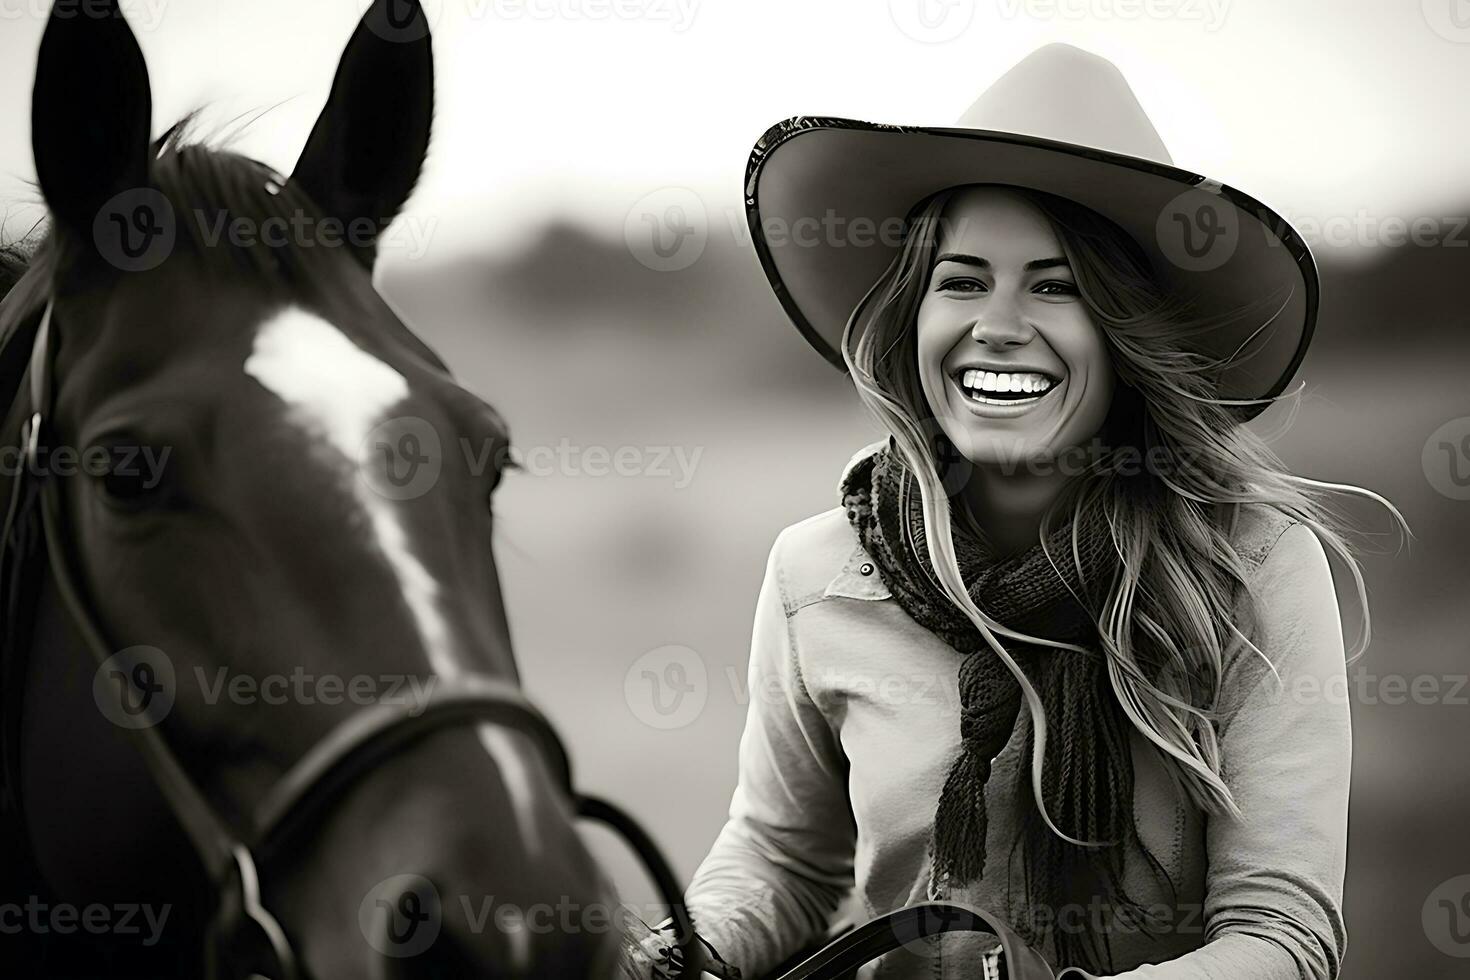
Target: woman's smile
1004, 394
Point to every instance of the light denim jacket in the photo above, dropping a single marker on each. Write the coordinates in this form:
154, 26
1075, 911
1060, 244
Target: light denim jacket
853, 724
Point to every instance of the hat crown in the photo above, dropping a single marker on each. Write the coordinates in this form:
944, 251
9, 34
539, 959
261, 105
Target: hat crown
1059, 92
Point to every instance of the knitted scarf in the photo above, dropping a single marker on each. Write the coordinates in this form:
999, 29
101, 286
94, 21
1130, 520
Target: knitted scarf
1087, 773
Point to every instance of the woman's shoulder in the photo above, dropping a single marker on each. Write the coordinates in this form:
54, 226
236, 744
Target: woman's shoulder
1258, 528
1288, 581
1289, 607
811, 553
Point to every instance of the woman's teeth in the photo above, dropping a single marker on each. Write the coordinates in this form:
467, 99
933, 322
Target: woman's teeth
990, 386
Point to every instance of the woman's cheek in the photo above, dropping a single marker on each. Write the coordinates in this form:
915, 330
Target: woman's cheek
1094, 402
931, 351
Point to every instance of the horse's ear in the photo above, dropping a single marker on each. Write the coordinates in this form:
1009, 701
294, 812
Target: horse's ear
91, 112
365, 152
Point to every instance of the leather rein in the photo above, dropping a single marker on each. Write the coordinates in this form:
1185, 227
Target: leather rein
314, 781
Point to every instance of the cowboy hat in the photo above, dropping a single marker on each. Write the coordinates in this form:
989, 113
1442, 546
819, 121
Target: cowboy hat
826, 199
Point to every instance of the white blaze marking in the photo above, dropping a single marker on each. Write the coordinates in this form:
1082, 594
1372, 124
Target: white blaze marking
337, 392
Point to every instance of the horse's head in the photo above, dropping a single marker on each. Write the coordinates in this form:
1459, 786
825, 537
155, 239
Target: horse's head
290, 503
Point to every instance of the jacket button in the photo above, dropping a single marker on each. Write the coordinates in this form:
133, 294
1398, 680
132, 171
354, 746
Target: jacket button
866, 568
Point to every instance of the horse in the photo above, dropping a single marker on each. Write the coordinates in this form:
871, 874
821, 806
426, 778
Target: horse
260, 707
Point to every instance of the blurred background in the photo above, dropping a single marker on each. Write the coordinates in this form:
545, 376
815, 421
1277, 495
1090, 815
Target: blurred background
577, 251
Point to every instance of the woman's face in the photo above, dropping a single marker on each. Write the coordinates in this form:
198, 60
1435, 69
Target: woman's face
1010, 360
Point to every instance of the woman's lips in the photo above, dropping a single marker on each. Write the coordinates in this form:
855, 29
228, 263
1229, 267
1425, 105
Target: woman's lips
994, 408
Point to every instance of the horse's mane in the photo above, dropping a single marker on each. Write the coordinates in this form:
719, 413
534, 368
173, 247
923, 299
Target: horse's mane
15, 258
208, 187
21, 299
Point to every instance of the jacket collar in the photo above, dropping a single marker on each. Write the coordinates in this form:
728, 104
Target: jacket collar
859, 578
859, 456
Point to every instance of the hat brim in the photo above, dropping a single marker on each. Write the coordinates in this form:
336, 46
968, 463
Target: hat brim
824, 196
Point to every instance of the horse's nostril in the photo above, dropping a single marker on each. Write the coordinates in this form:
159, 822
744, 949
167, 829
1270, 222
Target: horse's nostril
452, 954
440, 961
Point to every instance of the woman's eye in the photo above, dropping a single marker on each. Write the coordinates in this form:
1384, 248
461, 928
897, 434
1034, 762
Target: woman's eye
1057, 287
961, 285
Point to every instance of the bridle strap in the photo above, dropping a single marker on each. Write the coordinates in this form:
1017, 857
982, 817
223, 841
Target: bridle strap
377, 732
214, 842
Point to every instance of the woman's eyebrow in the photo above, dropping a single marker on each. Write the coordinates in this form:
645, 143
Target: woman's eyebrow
980, 263
974, 260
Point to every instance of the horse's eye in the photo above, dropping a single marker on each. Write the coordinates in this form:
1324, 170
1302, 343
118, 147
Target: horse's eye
128, 476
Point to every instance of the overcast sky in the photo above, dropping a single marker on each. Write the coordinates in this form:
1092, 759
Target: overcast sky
1317, 107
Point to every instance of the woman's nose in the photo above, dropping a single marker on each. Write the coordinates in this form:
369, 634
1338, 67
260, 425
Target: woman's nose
1001, 324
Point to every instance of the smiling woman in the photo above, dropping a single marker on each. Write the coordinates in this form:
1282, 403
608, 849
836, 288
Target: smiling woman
1068, 514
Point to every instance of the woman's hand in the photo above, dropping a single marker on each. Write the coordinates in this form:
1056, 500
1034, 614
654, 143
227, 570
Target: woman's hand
647, 953
652, 954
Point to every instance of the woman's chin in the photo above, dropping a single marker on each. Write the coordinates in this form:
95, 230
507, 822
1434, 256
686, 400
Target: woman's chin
1010, 452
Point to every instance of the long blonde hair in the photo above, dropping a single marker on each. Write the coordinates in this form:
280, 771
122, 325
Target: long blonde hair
1168, 627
